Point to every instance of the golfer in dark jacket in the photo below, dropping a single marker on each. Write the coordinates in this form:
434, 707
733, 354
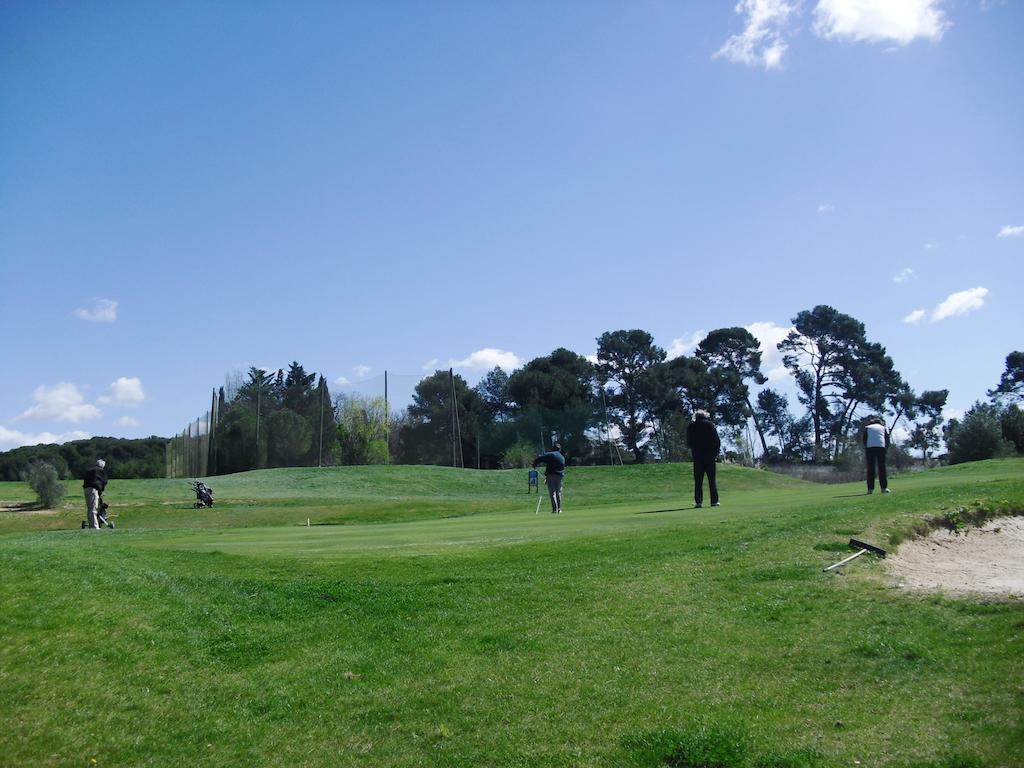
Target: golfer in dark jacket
554, 474
702, 439
94, 483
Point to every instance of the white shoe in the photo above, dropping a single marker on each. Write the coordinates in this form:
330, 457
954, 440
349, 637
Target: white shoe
697, 506
716, 504
885, 490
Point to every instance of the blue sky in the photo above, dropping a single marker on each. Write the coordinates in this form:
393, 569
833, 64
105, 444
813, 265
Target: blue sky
187, 189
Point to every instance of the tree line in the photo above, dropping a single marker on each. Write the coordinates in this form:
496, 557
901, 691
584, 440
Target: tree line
126, 458
629, 404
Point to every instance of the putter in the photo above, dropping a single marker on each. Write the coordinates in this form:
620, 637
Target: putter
539, 498
863, 548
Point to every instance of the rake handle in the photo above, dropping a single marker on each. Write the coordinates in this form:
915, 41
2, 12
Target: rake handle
844, 562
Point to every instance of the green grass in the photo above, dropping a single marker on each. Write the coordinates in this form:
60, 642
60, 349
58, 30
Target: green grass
429, 617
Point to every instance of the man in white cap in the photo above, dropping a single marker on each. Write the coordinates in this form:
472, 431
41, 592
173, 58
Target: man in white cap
94, 483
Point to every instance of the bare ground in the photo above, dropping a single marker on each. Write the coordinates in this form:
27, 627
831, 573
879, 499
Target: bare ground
980, 562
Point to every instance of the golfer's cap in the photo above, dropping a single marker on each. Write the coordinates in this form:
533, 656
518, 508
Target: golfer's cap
101, 463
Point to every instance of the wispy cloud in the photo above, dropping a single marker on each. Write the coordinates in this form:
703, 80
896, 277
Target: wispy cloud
960, 303
915, 317
487, 358
762, 41
12, 438
103, 311
431, 364
930, 246
893, 21
128, 421
1011, 231
684, 344
825, 208
342, 381
361, 371
904, 275
59, 402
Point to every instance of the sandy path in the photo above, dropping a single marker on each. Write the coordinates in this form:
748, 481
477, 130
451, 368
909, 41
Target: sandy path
987, 561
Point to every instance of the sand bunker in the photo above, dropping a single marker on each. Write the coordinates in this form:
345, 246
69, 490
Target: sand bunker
987, 561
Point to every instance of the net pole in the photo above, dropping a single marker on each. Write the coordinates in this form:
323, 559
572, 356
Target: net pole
387, 423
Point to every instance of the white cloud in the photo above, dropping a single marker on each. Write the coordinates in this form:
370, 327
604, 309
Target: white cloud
769, 335
487, 358
904, 275
930, 246
825, 208
915, 317
342, 381
60, 402
103, 311
128, 421
361, 371
762, 40
960, 303
431, 364
1011, 231
684, 344
592, 358
125, 392
898, 21
12, 438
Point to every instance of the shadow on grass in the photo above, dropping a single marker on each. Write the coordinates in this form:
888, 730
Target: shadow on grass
660, 511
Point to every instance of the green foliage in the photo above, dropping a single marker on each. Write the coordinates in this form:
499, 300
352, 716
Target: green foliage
625, 360
125, 458
362, 430
43, 479
518, 456
979, 436
1011, 383
289, 438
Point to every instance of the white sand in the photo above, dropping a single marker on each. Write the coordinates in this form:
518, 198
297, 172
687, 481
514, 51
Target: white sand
987, 561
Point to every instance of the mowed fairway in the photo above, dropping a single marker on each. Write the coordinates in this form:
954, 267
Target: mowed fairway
427, 616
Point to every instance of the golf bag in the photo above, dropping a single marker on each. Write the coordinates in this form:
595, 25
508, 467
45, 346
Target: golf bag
101, 515
204, 494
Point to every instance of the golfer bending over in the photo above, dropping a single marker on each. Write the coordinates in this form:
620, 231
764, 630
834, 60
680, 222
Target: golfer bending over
876, 440
554, 473
702, 439
94, 483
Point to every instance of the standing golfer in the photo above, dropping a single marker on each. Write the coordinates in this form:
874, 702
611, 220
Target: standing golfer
702, 439
554, 474
94, 483
876, 440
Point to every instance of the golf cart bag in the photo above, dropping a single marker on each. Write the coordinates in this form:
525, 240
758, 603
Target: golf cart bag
101, 515
204, 494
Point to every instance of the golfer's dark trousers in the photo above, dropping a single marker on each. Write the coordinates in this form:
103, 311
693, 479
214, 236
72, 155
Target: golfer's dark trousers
703, 467
876, 457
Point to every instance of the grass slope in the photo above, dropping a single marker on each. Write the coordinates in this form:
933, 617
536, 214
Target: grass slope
443, 623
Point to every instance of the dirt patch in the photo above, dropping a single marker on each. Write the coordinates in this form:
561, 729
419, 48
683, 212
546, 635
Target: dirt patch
986, 561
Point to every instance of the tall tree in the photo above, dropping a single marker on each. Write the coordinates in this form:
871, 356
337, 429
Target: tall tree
820, 352
737, 352
428, 434
555, 394
494, 394
624, 359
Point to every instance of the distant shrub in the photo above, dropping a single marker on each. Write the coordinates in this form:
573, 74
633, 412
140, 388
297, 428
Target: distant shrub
518, 456
43, 478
